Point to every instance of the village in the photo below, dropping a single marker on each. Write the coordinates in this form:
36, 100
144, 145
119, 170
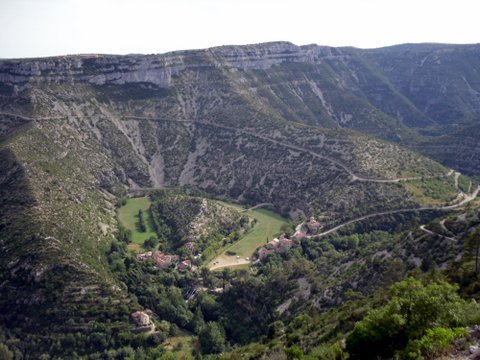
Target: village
282, 244
143, 319
163, 261
275, 246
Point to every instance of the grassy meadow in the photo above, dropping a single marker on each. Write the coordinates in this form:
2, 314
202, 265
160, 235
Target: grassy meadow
268, 225
128, 216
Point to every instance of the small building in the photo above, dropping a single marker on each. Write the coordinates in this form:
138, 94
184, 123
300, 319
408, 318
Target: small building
264, 252
144, 256
313, 225
143, 322
140, 318
299, 235
282, 237
185, 265
272, 244
277, 245
284, 245
163, 260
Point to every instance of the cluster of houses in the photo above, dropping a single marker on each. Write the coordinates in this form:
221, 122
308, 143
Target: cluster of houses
277, 245
283, 243
164, 261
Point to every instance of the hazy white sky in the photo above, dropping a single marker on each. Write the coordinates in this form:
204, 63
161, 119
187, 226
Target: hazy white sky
56, 27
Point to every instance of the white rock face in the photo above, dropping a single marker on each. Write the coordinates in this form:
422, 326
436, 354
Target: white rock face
155, 69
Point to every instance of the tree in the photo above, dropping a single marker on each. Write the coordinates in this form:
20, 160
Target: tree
168, 356
206, 276
126, 352
121, 202
5, 352
226, 276
141, 222
212, 338
124, 235
433, 343
294, 352
151, 243
208, 305
197, 322
473, 249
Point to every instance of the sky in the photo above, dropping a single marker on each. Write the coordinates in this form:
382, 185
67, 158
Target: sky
34, 28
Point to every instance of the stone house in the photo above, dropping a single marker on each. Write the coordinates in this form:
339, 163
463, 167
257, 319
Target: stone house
313, 225
163, 260
140, 318
186, 265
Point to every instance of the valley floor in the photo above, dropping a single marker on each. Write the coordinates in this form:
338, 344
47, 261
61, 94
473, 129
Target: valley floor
128, 216
268, 225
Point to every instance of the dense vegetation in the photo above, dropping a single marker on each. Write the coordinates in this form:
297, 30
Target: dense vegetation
299, 304
194, 225
418, 321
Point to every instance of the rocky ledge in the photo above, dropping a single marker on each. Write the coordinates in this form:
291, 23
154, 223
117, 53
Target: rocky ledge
155, 69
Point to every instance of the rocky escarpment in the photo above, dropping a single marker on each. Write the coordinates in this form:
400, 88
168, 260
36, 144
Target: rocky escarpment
394, 93
408, 82
405, 94
157, 69
226, 120
441, 81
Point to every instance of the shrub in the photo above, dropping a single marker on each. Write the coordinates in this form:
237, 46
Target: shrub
413, 310
329, 352
294, 352
433, 343
212, 338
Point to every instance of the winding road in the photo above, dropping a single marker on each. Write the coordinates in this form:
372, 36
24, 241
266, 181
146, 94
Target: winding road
466, 200
225, 261
430, 232
466, 197
354, 177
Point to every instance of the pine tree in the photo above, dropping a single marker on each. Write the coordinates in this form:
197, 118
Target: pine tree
141, 222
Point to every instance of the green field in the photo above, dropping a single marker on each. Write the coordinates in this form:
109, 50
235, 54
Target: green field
128, 215
268, 225
432, 192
